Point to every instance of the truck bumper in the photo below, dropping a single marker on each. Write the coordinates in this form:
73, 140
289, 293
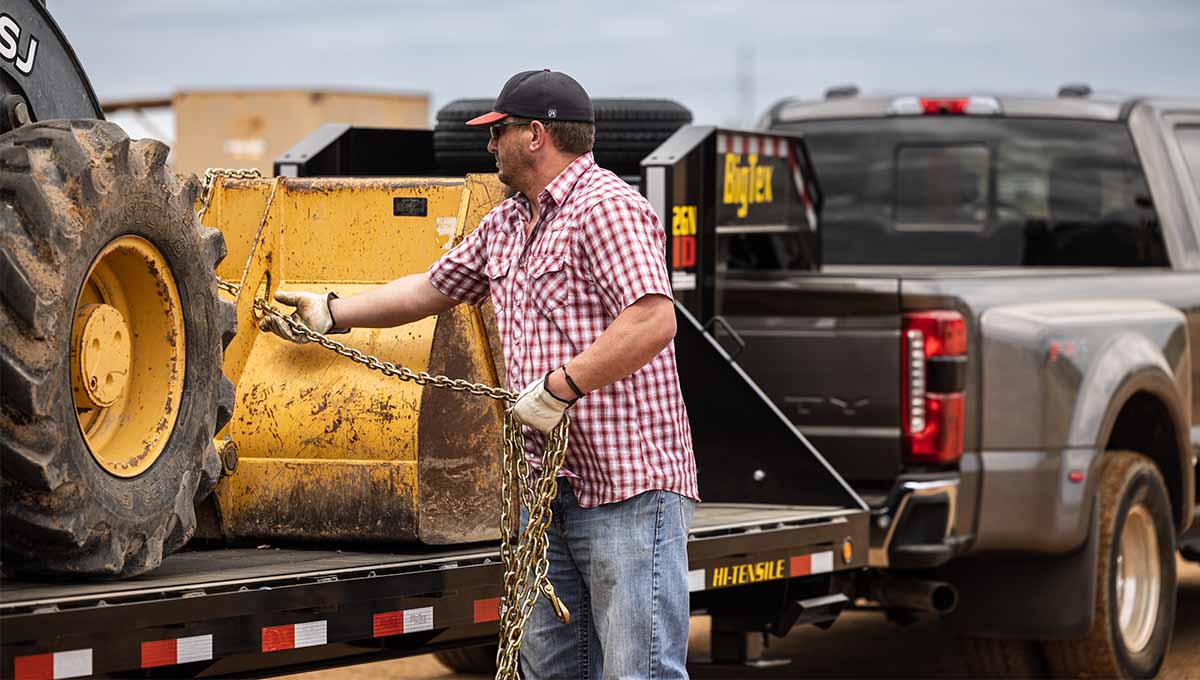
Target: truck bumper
916, 529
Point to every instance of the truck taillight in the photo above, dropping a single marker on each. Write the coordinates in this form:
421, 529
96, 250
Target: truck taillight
943, 106
955, 106
934, 380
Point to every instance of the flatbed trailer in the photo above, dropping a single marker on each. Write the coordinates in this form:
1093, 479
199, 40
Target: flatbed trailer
248, 611
760, 566
780, 538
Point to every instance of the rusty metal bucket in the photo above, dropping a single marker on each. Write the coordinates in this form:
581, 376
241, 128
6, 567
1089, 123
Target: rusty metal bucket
326, 449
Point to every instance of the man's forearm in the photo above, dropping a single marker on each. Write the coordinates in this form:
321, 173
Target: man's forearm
402, 301
635, 337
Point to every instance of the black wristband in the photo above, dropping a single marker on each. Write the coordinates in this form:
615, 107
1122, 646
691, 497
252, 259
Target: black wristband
333, 330
546, 386
571, 383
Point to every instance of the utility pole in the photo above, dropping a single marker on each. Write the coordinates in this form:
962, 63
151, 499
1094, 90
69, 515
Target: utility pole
745, 84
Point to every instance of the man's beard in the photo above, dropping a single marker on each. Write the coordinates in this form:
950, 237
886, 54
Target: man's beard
512, 171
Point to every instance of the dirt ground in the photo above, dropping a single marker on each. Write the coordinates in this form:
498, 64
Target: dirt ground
860, 645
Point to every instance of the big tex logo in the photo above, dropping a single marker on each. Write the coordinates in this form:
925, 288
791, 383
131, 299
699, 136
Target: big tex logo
746, 184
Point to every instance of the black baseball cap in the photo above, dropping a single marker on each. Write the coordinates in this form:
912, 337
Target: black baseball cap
543, 95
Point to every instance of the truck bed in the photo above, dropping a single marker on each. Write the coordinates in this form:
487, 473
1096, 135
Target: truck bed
250, 611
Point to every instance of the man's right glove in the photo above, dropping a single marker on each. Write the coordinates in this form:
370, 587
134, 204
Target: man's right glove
312, 310
538, 408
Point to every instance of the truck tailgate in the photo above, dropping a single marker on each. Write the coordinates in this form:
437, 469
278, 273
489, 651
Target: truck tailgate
826, 349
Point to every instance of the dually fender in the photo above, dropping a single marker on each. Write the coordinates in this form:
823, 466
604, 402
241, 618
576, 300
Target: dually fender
1130, 365
1055, 378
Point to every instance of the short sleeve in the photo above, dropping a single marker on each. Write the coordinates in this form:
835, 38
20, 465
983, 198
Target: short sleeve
626, 246
460, 274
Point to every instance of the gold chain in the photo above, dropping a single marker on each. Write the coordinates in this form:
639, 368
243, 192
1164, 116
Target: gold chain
210, 178
523, 554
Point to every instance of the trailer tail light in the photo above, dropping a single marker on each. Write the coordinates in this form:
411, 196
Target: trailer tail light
934, 365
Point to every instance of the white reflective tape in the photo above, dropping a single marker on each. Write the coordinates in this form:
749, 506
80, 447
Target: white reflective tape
822, 562
418, 619
722, 143
311, 634
752, 145
695, 580
683, 281
738, 144
73, 664
198, 648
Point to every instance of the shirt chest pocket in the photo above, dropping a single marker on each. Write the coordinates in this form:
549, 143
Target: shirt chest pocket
549, 283
496, 270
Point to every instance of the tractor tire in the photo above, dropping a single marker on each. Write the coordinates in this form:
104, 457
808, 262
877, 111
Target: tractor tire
998, 658
472, 660
627, 130
1135, 579
111, 342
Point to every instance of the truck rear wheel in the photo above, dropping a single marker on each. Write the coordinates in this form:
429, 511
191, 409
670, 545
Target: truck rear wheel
111, 337
1135, 578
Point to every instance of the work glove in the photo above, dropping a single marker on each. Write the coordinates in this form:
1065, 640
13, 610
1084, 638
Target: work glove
312, 310
538, 408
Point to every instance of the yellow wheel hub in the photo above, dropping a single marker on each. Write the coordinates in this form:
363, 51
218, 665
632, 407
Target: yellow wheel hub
101, 343
128, 356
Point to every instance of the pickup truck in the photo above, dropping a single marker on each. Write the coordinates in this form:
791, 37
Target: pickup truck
999, 350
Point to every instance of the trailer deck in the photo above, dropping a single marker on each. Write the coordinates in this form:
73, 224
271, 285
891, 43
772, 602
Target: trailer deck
254, 611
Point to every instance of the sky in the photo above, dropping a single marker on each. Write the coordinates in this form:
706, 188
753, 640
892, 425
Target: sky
726, 61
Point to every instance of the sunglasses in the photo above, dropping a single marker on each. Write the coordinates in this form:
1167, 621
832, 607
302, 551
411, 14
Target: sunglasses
497, 129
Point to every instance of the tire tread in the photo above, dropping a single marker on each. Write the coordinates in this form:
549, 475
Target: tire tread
55, 178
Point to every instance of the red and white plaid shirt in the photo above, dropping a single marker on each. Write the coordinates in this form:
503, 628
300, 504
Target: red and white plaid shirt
597, 249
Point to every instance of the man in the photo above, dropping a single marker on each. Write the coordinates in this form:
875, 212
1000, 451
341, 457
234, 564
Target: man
574, 265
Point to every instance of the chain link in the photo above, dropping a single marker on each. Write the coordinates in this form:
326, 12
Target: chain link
522, 554
228, 287
210, 178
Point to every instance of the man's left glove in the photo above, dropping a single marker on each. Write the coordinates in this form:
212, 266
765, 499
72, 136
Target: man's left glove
538, 408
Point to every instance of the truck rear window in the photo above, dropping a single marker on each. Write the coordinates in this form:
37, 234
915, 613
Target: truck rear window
973, 191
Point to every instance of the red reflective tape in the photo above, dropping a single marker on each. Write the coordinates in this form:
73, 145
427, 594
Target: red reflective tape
275, 638
801, 565
388, 623
487, 610
36, 667
158, 653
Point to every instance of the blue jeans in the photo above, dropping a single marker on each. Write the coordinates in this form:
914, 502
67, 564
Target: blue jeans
621, 569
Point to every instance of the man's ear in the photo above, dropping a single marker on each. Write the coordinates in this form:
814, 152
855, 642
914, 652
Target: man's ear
540, 136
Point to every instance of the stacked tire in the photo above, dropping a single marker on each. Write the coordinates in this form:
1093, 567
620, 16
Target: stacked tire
627, 130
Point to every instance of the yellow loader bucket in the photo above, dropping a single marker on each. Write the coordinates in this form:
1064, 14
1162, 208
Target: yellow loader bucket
325, 448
